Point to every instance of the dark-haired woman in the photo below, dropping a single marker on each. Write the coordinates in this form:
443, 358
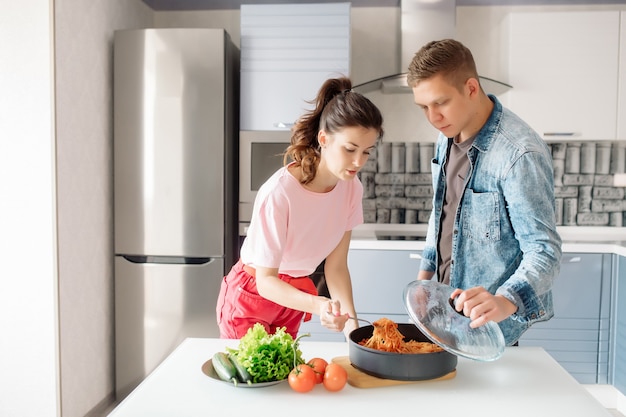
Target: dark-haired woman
303, 215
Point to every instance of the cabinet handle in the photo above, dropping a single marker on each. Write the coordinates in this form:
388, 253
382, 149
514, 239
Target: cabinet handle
571, 260
415, 256
559, 133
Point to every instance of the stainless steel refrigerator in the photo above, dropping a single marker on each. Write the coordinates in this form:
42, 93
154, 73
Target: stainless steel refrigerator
175, 189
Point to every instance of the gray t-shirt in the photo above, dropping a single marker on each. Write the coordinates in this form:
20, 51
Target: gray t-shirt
456, 169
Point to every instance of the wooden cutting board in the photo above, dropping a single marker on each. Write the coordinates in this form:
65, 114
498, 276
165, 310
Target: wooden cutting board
360, 379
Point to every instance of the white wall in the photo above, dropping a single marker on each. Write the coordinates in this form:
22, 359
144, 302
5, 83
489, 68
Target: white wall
28, 280
56, 284
84, 126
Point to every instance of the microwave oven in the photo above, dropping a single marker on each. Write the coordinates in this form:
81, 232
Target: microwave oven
260, 155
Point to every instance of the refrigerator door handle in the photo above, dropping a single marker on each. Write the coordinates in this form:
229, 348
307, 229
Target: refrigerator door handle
183, 260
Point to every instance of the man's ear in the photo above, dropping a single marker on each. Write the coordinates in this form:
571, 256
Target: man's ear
473, 86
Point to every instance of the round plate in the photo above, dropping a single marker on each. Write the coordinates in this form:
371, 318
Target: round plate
428, 304
208, 370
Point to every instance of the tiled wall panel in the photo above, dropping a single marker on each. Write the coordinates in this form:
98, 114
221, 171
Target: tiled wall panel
397, 183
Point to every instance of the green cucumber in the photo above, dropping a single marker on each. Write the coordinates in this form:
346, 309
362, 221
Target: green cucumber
224, 368
242, 373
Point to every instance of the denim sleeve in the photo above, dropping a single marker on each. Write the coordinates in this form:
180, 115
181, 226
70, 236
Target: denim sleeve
529, 194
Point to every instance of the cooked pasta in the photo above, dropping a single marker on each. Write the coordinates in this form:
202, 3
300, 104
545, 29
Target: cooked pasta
386, 337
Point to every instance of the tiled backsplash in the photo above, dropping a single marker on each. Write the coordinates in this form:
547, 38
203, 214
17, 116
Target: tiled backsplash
583, 179
397, 186
398, 189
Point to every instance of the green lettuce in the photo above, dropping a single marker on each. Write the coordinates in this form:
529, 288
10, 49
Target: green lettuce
267, 357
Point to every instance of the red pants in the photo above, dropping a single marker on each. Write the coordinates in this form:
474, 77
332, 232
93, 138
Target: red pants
239, 305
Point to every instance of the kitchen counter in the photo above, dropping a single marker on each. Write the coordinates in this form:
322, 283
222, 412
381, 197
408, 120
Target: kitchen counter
524, 382
575, 239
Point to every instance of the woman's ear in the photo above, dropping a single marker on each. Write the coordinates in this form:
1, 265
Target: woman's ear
321, 138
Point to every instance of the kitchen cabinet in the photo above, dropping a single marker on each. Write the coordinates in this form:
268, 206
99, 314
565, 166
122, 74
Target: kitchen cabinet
619, 326
379, 278
287, 52
621, 103
579, 333
564, 71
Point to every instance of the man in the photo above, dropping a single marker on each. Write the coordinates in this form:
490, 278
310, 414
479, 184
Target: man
492, 232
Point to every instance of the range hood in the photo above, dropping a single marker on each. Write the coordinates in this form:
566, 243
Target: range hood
421, 22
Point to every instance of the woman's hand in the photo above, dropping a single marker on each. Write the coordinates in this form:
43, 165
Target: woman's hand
481, 306
331, 317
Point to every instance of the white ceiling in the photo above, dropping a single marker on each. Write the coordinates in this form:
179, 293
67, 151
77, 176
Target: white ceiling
235, 4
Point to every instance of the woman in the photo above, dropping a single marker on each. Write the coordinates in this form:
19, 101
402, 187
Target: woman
302, 216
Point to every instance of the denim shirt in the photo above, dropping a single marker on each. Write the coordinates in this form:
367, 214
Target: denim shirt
504, 236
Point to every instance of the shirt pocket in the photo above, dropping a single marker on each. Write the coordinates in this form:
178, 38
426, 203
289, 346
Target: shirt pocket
435, 171
481, 219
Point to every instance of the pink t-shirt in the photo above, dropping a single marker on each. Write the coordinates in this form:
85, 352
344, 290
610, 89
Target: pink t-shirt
294, 229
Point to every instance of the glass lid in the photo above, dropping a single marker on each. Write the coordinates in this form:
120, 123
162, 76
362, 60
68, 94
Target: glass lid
428, 304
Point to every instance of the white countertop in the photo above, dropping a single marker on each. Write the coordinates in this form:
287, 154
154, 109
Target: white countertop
524, 382
575, 239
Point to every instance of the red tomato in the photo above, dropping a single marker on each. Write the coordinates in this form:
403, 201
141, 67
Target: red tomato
335, 377
319, 366
302, 378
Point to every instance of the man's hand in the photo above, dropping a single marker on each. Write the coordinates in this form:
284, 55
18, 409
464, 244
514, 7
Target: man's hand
481, 306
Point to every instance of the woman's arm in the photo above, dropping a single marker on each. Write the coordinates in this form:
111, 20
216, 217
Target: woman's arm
425, 275
280, 292
340, 284
330, 311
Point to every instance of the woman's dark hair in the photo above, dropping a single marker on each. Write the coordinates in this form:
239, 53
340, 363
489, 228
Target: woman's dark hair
336, 107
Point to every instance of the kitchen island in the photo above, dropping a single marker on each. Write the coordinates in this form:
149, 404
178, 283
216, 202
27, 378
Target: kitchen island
524, 382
